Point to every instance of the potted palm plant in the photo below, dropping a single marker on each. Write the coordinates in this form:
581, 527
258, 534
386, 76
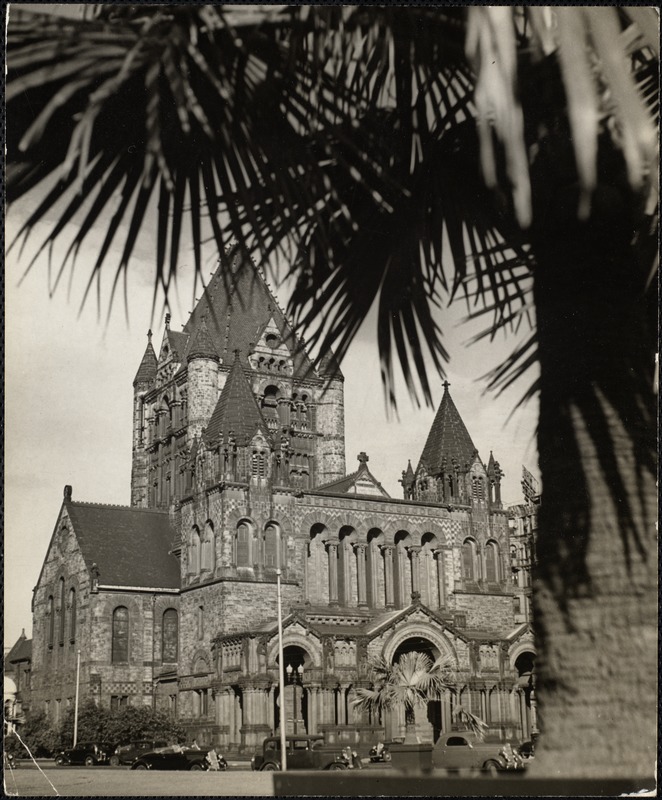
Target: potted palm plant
415, 678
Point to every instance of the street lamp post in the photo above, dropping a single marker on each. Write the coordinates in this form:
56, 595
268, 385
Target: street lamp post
281, 663
295, 678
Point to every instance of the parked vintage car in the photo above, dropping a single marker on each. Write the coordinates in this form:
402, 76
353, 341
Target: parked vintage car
88, 753
303, 752
464, 750
379, 752
128, 753
180, 757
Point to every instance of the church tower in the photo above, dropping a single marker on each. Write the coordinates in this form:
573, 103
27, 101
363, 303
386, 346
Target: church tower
236, 329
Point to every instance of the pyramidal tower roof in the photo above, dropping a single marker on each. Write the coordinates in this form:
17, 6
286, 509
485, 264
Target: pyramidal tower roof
236, 411
448, 438
236, 306
147, 369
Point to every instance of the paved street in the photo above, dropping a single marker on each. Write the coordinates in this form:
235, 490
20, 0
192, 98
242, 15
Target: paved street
51, 781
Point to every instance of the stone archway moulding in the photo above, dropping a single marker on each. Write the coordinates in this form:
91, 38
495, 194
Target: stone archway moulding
311, 647
519, 649
414, 630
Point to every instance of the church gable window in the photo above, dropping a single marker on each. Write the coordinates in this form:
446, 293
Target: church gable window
207, 549
271, 547
120, 636
50, 620
170, 636
194, 551
492, 562
72, 615
270, 405
63, 611
468, 560
243, 546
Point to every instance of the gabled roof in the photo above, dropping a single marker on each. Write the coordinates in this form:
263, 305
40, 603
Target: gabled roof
361, 482
147, 369
236, 410
130, 546
237, 304
178, 342
21, 651
329, 366
448, 439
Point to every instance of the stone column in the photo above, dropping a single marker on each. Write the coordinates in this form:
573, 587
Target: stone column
439, 554
333, 572
387, 550
312, 709
360, 574
271, 717
414, 554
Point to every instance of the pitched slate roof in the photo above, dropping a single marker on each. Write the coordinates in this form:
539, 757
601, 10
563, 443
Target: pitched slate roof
21, 651
178, 342
236, 410
237, 304
147, 369
448, 438
130, 546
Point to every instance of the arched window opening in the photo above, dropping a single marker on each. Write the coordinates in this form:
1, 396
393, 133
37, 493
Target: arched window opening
72, 615
259, 464
50, 620
170, 636
242, 546
63, 611
270, 404
201, 622
194, 551
120, 636
207, 549
271, 547
492, 562
468, 552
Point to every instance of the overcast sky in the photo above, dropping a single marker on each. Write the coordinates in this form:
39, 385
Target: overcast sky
69, 390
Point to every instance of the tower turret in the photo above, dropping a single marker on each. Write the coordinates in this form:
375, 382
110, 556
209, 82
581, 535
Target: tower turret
331, 421
142, 383
203, 362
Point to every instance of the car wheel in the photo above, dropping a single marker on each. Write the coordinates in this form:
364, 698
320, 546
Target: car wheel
196, 767
139, 766
59, 760
336, 766
222, 766
386, 757
492, 767
114, 761
89, 761
270, 767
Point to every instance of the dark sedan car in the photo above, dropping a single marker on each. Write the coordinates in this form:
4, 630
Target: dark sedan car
128, 753
88, 753
177, 757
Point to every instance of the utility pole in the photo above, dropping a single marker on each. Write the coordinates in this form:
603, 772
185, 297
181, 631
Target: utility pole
281, 662
76, 700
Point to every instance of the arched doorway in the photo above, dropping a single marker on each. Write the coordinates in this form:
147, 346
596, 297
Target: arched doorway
297, 661
525, 693
433, 717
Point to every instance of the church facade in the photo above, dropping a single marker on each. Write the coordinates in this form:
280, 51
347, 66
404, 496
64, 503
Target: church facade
238, 470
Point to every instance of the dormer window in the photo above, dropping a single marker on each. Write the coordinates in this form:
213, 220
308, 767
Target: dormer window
272, 340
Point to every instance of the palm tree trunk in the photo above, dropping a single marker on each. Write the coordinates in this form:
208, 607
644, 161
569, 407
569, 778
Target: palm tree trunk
595, 583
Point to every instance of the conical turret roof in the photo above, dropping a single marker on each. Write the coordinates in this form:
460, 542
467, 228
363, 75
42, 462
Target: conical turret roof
236, 411
202, 345
147, 369
448, 438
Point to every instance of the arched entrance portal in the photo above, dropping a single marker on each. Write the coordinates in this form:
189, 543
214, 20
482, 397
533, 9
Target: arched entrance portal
525, 698
297, 662
433, 718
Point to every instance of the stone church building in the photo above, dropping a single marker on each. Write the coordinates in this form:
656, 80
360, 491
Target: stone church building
238, 468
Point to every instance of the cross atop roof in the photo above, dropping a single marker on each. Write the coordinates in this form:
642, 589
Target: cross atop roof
363, 458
